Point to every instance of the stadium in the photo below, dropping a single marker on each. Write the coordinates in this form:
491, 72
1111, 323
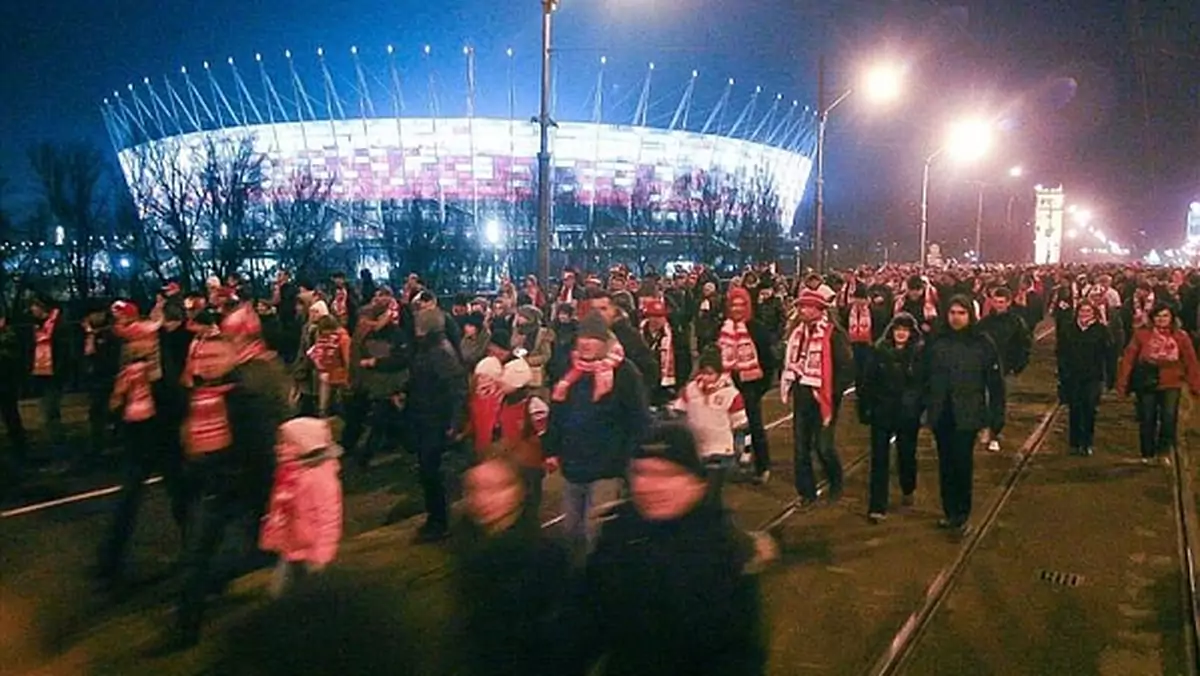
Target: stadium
687, 185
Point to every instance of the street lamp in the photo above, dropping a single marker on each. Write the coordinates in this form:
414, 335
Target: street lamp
880, 83
967, 141
1016, 172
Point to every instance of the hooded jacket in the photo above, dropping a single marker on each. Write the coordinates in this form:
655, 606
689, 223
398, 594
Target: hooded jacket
892, 390
965, 379
1011, 337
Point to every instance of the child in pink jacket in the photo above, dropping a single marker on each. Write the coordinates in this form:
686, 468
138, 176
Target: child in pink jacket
304, 522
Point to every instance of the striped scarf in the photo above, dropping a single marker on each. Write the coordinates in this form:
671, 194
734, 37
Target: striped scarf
738, 353
43, 349
603, 372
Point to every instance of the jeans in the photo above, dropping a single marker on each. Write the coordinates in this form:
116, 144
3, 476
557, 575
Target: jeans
1082, 401
430, 444
581, 523
532, 478
812, 435
906, 459
752, 396
143, 455
222, 502
956, 468
50, 403
100, 418
1158, 421
10, 411
862, 355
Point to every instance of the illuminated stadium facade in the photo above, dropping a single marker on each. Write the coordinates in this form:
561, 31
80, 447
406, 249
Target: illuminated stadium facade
629, 191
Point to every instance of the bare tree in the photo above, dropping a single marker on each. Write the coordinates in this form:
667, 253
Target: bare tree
166, 190
73, 211
303, 222
231, 183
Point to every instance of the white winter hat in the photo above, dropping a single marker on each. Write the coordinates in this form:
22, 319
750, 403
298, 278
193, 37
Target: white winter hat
489, 368
302, 436
517, 374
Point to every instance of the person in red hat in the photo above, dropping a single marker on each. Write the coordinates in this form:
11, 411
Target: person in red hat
818, 367
747, 356
657, 334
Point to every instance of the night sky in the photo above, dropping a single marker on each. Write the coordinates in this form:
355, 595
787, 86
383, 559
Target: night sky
1088, 95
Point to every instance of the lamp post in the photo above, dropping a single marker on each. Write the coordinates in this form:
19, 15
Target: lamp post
881, 83
544, 122
968, 140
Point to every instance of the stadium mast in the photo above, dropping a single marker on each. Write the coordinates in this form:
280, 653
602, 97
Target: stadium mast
685, 104
720, 108
643, 106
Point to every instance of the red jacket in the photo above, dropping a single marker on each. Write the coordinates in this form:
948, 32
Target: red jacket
1172, 375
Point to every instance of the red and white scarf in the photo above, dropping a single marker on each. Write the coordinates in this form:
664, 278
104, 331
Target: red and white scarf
43, 348
664, 343
602, 371
207, 429
341, 305
1162, 348
133, 388
810, 363
738, 353
859, 323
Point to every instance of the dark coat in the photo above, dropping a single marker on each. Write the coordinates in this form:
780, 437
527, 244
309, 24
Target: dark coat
436, 392
673, 598
965, 380
708, 322
595, 439
636, 351
12, 362
510, 589
891, 394
1086, 357
386, 378
1012, 339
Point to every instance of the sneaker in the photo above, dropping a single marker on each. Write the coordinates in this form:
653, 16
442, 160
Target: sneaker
1088, 452
994, 446
945, 524
877, 517
763, 478
907, 500
964, 529
1165, 460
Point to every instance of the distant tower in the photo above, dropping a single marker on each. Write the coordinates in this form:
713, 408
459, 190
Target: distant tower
1048, 225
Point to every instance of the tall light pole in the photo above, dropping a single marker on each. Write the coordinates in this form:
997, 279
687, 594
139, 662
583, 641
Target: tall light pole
544, 241
967, 141
881, 83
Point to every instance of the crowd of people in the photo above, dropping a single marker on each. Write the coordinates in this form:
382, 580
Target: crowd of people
645, 393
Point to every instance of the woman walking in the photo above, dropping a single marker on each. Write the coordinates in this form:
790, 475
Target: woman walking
889, 400
1158, 362
1085, 349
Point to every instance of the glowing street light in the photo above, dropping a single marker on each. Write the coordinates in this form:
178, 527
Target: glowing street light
967, 140
339, 232
881, 83
1016, 172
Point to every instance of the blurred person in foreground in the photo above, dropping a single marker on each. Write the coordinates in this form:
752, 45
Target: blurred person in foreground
11, 377
671, 587
510, 580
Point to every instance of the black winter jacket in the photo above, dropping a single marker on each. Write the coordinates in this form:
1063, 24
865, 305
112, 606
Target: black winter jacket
1086, 356
1012, 339
892, 391
437, 388
673, 598
964, 380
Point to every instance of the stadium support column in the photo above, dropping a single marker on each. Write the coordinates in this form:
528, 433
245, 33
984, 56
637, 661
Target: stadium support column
544, 122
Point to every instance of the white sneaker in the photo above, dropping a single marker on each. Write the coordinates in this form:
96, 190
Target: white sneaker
994, 446
764, 478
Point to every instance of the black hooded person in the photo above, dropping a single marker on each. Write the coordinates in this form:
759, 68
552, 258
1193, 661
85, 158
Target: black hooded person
964, 395
890, 401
